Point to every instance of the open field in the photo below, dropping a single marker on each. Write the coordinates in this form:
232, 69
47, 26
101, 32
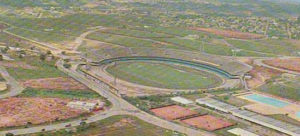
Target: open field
27, 111
207, 122
13, 64
43, 69
173, 112
164, 75
260, 75
55, 30
230, 34
270, 47
153, 39
292, 64
65, 94
115, 126
286, 87
137, 33
127, 41
59, 83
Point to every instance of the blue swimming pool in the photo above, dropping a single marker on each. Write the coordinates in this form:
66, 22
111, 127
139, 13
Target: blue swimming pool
267, 100
298, 114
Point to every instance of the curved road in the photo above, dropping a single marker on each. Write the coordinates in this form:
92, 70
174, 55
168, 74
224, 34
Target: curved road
260, 62
15, 87
120, 107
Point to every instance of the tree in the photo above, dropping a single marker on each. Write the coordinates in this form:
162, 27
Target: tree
9, 134
1, 57
298, 20
67, 65
17, 45
42, 57
5, 49
49, 52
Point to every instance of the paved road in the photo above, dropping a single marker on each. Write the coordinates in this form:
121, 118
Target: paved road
15, 87
260, 62
120, 107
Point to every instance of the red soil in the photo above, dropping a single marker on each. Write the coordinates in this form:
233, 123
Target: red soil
260, 75
21, 111
173, 112
292, 64
230, 34
207, 122
16, 65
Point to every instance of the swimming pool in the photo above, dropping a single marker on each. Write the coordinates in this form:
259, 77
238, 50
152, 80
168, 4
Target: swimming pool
267, 100
298, 114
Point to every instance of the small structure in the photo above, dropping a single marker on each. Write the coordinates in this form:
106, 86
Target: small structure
241, 132
88, 106
181, 100
3, 86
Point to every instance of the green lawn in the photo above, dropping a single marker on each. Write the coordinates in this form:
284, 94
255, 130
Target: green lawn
67, 94
44, 69
164, 75
110, 127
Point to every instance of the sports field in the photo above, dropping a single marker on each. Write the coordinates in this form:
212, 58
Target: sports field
173, 112
208, 122
164, 75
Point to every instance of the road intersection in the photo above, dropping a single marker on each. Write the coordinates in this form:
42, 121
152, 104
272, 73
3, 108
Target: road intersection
120, 107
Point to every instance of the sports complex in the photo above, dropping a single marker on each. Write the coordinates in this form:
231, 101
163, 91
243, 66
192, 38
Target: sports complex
137, 72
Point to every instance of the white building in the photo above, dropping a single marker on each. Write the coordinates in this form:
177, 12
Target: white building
181, 100
85, 105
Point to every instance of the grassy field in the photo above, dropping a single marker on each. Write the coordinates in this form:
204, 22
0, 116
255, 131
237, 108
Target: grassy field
44, 69
164, 76
116, 126
127, 41
58, 29
68, 94
283, 87
283, 47
137, 33
170, 38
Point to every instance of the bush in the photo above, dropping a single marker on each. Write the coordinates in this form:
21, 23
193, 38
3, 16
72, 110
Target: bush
67, 65
9, 134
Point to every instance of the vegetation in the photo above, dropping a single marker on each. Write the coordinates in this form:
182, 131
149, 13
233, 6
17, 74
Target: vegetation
283, 87
42, 69
70, 94
135, 127
164, 75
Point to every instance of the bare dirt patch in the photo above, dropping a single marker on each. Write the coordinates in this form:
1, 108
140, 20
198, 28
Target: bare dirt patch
173, 112
59, 83
3, 86
229, 33
22, 111
3, 26
22, 65
260, 75
208, 122
292, 64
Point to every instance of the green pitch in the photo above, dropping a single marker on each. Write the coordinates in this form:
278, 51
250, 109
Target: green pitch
164, 75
